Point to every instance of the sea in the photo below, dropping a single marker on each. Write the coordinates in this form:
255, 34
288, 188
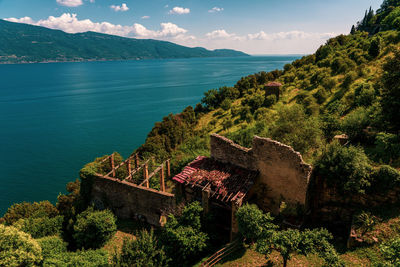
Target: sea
56, 117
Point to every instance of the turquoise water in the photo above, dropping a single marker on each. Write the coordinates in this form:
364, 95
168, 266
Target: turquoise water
56, 117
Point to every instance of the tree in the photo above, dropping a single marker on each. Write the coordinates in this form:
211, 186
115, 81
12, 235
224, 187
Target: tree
182, 237
18, 248
353, 30
391, 251
52, 246
347, 168
93, 229
40, 227
293, 241
391, 91
253, 223
142, 251
26, 210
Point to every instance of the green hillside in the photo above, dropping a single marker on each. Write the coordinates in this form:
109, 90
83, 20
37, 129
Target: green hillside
350, 86
26, 43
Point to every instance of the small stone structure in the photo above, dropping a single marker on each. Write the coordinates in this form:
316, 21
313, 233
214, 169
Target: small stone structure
272, 88
282, 171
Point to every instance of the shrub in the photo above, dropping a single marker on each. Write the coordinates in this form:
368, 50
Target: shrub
270, 100
253, 223
346, 167
88, 258
391, 252
387, 147
52, 246
226, 104
385, 178
18, 248
182, 237
355, 122
29, 210
40, 227
142, 251
365, 95
93, 229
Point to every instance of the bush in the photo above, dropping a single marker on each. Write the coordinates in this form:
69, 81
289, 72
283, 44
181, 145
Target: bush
40, 227
182, 237
384, 179
253, 223
391, 252
387, 147
18, 248
226, 104
88, 258
346, 167
52, 246
365, 95
355, 123
270, 100
142, 251
93, 229
26, 210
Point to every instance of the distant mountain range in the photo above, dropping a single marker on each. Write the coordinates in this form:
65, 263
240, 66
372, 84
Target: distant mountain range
23, 43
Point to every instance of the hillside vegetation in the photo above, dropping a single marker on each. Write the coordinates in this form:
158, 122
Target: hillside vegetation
23, 43
350, 86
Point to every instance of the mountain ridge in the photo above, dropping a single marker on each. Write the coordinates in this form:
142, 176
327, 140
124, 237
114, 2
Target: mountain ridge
24, 43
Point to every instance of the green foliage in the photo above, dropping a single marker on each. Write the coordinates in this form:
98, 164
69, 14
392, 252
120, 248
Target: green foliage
270, 101
40, 227
384, 179
346, 167
226, 104
142, 251
88, 258
365, 221
182, 237
391, 252
52, 246
293, 127
253, 223
365, 95
254, 101
93, 229
387, 147
392, 21
355, 123
375, 47
26, 210
291, 241
391, 91
18, 248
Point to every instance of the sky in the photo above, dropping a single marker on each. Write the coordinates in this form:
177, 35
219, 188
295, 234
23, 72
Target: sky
252, 26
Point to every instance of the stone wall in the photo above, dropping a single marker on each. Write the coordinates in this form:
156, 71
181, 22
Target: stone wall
283, 173
128, 201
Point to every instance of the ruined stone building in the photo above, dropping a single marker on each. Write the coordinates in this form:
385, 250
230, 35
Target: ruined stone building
269, 174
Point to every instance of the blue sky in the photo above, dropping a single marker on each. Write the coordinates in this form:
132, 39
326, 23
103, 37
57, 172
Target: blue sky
253, 26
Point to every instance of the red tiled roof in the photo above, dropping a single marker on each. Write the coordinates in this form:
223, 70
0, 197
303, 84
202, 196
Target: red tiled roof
273, 84
226, 181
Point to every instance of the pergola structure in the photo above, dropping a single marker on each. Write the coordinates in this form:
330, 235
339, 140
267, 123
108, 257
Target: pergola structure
218, 182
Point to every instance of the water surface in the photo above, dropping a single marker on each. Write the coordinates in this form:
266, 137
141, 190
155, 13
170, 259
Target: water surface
56, 117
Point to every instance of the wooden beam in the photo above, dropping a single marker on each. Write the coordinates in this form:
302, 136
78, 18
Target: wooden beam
137, 161
112, 166
128, 167
146, 175
162, 182
168, 168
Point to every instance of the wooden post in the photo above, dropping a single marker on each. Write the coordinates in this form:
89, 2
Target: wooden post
128, 166
234, 224
162, 182
168, 169
205, 200
146, 175
136, 161
112, 165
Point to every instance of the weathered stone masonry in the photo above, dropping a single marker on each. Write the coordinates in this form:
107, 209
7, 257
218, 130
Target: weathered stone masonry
128, 200
281, 169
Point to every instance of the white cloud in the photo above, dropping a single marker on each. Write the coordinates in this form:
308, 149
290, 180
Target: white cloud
70, 3
289, 42
216, 9
145, 17
70, 23
121, 8
179, 10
